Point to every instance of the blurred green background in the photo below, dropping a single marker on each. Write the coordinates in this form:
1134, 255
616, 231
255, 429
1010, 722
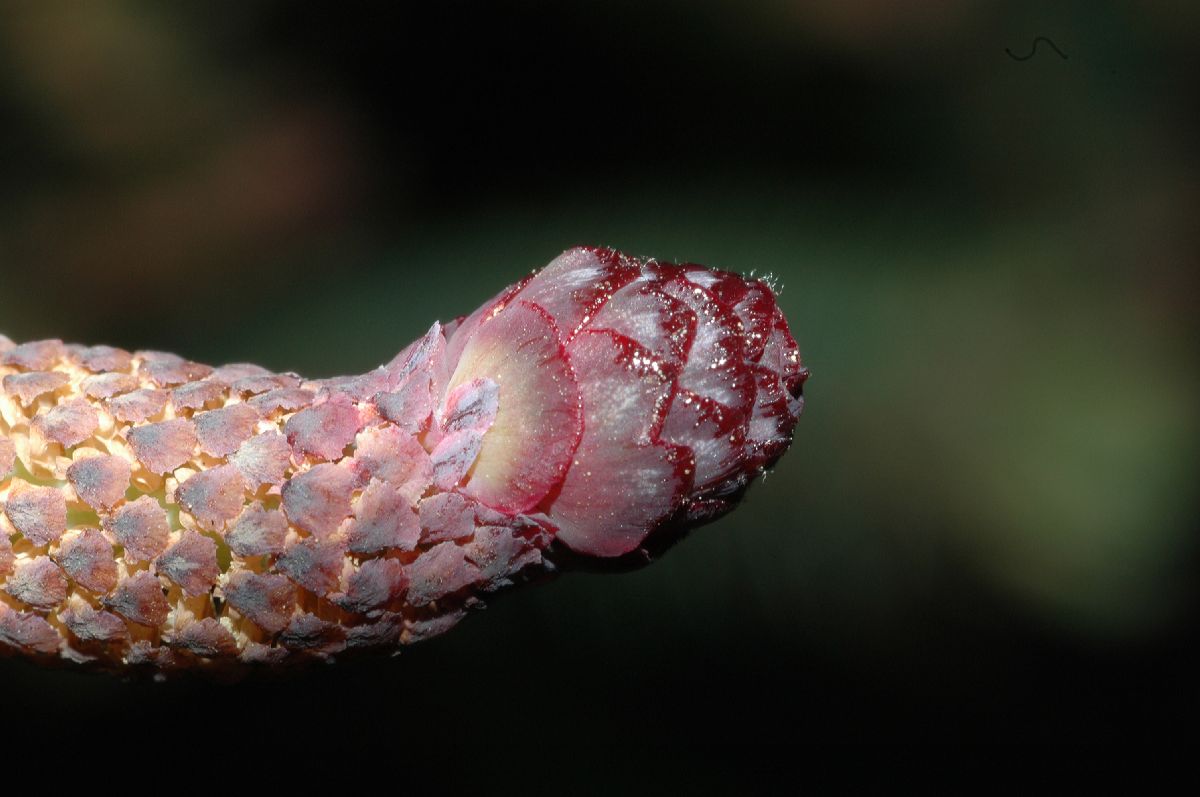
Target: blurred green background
987, 523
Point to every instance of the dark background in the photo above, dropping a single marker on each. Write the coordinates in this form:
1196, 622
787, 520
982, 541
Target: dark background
986, 528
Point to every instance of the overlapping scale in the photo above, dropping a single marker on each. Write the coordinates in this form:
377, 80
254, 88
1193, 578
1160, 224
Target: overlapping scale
623, 481
528, 446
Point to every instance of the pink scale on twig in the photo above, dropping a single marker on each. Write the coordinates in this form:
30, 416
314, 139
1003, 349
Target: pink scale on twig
87, 557
104, 386
388, 454
500, 555
253, 385
102, 359
318, 500
170, 370
263, 459
383, 519
140, 600
93, 625
191, 563
325, 430
438, 572
376, 583
38, 355
38, 582
145, 653
206, 638
138, 405
446, 516
100, 481
287, 399
257, 532
453, 457
314, 564
354, 388
267, 600
409, 406
383, 630
311, 633
26, 388
140, 527
471, 405
222, 431
8, 457
423, 356
198, 395
232, 372
27, 631
69, 424
423, 628
162, 447
7, 557
214, 497
39, 513
260, 654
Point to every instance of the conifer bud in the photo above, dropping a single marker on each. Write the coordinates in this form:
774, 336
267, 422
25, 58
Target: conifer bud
162, 513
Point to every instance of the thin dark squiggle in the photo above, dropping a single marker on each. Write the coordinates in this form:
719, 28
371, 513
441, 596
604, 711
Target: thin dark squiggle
1033, 51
